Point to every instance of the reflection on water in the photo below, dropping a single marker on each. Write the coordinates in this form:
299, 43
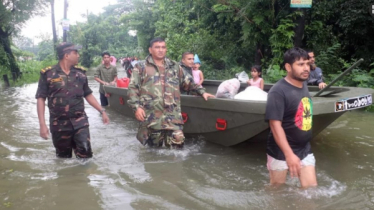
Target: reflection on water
125, 175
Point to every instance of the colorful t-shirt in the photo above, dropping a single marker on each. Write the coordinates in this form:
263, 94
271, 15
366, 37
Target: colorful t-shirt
293, 106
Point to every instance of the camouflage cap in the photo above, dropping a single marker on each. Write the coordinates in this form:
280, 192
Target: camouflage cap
66, 47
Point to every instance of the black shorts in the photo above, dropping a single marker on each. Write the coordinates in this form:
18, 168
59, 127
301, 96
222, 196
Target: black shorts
67, 141
103, 100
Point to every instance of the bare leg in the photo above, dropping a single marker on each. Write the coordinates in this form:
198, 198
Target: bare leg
308, 177
277, 177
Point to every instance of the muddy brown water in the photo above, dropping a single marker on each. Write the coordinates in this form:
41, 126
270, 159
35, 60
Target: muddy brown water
125, 175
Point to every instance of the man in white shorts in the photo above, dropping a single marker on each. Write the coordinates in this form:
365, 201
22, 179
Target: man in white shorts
289, 111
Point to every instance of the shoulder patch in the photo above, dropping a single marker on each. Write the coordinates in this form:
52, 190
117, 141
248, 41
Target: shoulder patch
80, 68
46, 69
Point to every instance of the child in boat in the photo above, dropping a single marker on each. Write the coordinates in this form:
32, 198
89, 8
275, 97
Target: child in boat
256, 80
197, 74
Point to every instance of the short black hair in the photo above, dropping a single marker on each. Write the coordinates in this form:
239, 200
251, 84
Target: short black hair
257, 67
294, 54
105, 53
186, 53
157, 39
309, 50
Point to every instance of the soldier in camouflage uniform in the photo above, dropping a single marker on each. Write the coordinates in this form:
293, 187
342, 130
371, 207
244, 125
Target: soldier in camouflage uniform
65, 85
187, 63
154, 95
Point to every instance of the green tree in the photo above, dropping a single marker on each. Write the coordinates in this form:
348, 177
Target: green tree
13, 14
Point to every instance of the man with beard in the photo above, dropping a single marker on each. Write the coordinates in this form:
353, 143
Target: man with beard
315, 76
289, 111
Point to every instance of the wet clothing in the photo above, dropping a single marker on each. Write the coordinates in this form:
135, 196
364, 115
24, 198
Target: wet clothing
106, 74
151, 137
293, 107
103, 100
65, 94
315, 76
77, 140
156, 89
281, 165
187, 71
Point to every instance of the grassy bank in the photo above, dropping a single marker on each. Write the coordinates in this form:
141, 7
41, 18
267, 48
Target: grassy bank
31, 71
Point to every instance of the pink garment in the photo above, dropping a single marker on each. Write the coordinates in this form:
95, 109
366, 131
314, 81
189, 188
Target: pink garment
257, 83
196, 76
113, 60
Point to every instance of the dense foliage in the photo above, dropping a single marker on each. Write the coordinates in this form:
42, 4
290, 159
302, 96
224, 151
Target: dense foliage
104, 33
232, 35
228, 35
13, 14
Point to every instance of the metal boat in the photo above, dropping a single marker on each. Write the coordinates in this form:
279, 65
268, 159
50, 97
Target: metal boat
230, 121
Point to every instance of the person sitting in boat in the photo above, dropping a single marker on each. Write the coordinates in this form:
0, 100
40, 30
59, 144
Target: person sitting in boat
256, 79
228, 88
315, 76
187, 63
154, 95
197, 74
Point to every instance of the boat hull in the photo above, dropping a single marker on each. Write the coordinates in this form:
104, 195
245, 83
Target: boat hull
229, 122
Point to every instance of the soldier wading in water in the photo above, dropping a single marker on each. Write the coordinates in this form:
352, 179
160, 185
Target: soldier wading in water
65, 85
154, 95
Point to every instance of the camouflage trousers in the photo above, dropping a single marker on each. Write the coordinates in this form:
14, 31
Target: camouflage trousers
151, 137
76, 140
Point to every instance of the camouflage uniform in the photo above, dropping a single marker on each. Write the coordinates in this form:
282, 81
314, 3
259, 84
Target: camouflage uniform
187, 71
68, 121
157, 90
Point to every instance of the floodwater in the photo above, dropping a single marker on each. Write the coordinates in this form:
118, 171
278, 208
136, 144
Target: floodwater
125, 175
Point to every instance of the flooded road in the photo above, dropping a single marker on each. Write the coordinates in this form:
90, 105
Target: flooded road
125, 175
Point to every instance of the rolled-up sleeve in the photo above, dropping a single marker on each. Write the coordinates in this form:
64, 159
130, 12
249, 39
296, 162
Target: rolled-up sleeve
86, 90
188, 84
97, 72
133, 91
42, 91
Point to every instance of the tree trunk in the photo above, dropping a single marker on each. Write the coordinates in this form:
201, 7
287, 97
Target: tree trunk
53, 25
299, 29
65, 17
5, 43
258, 55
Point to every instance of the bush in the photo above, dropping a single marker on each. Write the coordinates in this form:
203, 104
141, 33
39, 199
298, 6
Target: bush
31, 71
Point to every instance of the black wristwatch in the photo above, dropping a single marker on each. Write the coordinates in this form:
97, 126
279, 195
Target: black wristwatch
102, 110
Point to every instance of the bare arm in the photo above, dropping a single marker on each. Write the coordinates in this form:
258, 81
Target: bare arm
114, 80
201, 78
262, 84
100, 81
93, 102
292, 160
40, 105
